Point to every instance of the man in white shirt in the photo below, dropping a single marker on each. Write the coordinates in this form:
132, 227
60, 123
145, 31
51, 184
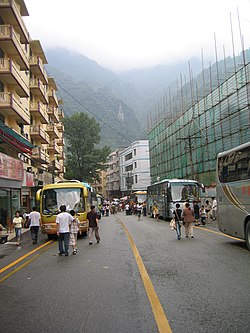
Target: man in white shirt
35, 222
63, 221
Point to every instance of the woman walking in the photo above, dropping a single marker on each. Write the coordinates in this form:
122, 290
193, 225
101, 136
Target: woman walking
18, 224
188, 215
177, 216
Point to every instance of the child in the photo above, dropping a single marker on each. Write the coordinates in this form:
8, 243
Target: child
18, 223
203, 215
74, 228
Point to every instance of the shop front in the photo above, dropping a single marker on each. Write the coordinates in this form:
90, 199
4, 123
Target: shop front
11, 178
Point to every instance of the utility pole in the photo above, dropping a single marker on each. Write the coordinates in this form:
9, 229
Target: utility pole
188, 140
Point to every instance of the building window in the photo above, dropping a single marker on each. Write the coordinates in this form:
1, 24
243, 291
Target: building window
134, 152
136, 179
128, 157
135, 165
129, 168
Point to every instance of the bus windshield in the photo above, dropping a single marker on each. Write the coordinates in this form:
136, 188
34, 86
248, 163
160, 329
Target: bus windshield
72, 198
184, 192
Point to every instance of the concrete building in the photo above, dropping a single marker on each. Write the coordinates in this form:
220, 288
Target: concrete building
134, 167
31, 132
112, 175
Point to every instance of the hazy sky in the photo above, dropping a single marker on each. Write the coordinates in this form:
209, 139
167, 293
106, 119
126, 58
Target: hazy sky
126, 34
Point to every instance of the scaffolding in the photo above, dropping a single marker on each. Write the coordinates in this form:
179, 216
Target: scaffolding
200, 120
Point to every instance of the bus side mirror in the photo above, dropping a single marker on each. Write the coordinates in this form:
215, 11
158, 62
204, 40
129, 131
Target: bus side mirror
38, 195
202, 187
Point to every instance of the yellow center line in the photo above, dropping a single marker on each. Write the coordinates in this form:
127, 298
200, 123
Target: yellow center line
220, 234
24, 256
25, 264
160, 317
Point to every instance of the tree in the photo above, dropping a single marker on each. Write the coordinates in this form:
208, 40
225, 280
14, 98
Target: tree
83, 158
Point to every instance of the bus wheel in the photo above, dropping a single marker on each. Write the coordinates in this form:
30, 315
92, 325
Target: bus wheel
248, 235
51, 236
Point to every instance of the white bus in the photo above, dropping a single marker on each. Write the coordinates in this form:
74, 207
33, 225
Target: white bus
233, 192
166, 193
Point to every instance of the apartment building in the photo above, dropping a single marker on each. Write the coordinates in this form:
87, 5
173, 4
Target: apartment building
31, 132
112, 175
134, 167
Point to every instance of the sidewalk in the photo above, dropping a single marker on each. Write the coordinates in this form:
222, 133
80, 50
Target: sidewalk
10, 235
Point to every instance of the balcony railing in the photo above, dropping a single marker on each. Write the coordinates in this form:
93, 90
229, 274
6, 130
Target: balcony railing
53, 146
60, 127
12, 75
36, 131
61, 155
15, 14
39, 68
11, 105
53, 113
60, 114
40, 155
61, 142
39, 109
38, 88
52, 97
52, 131
10, 42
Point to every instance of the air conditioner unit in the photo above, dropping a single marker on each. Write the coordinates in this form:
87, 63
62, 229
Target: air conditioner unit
29, 169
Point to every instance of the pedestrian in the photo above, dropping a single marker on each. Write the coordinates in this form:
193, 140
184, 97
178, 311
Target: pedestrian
63, 221
18, 224
155, 212
203, 215
177, 216
139, 210
74, 229
214, 208
127, 209
197, 213
208, 210
35, 222
188, 216
93, 225
144, 208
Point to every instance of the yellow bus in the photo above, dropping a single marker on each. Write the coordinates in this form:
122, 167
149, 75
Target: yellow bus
71, 193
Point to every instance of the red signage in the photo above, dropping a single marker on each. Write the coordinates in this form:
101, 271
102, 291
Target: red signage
10, 168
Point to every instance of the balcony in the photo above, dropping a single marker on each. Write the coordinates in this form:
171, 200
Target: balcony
11, 106
53, 98
53, 147
38, 133
61, 142
38, 89
11, 45
57, 165
62, 169
61, 115
38, 109
53, 113
60, 127
12, 12
40, 155
61, 155
37, 68
12, 76
53, 131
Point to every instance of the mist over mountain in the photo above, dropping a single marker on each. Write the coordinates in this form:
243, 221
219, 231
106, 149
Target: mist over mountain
120, 102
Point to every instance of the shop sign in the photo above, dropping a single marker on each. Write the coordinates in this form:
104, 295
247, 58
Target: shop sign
28, 179
11, 168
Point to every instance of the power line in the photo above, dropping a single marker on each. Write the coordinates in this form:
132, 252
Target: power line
91, 112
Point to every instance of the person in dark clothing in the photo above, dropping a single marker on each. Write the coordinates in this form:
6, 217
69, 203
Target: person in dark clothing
177, 216
92, 218
197, 213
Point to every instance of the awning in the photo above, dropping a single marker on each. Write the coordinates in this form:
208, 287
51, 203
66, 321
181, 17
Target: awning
11, 137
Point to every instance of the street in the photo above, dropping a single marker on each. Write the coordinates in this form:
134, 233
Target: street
202, 284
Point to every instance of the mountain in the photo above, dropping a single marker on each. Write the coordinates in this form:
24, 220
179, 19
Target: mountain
121, 102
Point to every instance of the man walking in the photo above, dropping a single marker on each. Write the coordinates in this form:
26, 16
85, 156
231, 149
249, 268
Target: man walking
93, 225
63, 221
35, 222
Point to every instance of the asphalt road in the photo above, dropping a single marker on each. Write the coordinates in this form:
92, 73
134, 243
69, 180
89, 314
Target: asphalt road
202, 284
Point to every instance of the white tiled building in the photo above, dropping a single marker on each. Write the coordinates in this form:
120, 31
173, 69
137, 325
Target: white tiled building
134, 167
